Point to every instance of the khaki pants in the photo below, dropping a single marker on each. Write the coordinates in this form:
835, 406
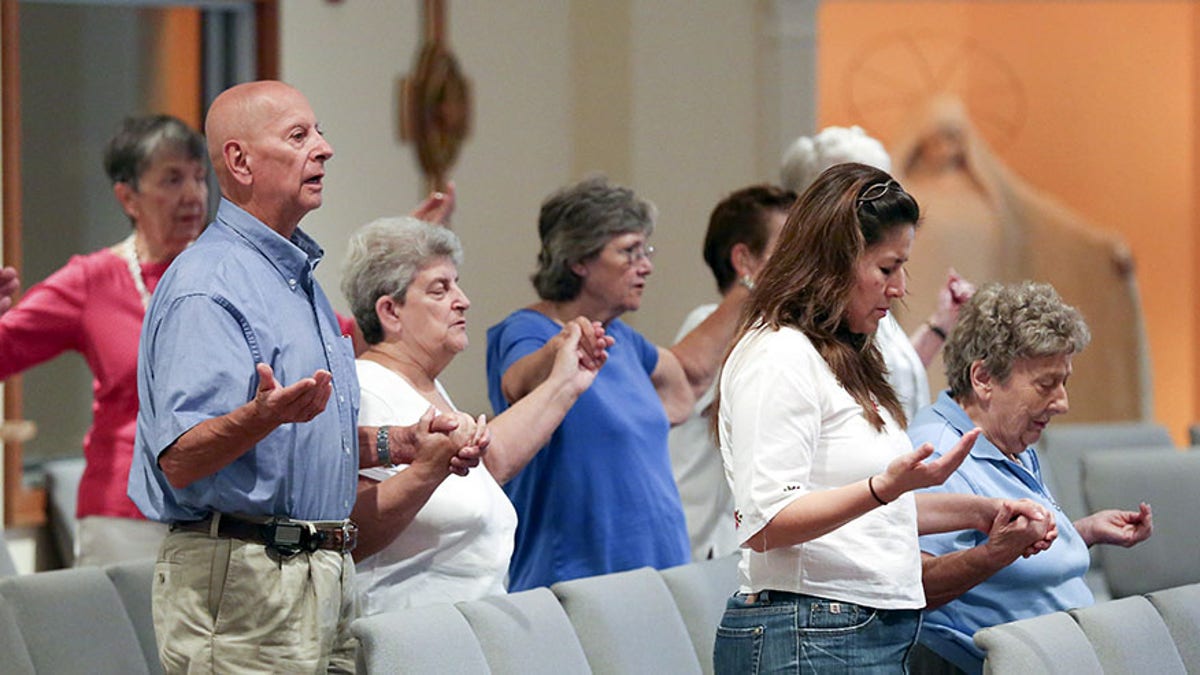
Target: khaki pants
103, 540
231, 606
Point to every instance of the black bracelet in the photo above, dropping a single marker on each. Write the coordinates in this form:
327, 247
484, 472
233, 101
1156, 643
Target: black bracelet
382, 450
871, 487
937, 330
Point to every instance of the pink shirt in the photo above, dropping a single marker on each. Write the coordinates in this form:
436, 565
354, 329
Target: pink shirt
92, 307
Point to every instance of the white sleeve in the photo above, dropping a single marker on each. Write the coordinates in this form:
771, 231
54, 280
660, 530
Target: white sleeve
773, 409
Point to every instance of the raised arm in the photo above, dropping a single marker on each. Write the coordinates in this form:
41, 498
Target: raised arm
930, 336
686, 370
519, 432
527, 373
213, 444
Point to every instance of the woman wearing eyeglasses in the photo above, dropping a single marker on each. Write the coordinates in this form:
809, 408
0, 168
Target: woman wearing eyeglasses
812, 436
600, 496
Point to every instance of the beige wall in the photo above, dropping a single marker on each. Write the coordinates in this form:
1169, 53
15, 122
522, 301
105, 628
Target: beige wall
661, 94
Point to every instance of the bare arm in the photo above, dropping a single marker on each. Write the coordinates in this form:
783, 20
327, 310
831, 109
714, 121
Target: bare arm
527, 373
213, 444
951, 297
1012, 535
699, 353
819, 513
519, 432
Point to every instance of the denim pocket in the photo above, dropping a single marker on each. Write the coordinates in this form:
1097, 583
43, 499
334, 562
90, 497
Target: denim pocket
738, 649
831, 616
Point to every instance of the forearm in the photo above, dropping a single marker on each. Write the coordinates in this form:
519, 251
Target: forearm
700, 351
814, 515
527, 373
402, 445
927, 343
947, 577
519, 432
385, 509
1087, 533
213, 444
949, 512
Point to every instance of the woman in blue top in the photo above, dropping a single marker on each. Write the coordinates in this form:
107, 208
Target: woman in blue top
600, 496
1007, 363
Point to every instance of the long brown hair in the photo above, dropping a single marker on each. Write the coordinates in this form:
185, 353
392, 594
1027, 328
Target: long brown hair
808, 281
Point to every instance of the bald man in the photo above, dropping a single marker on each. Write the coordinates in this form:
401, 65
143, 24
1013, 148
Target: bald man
247, 437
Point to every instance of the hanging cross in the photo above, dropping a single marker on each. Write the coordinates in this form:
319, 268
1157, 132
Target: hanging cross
435, 101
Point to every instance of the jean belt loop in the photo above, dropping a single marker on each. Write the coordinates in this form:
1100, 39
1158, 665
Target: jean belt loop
214, 525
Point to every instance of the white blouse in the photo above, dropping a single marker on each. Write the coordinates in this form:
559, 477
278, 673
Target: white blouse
459, 545
787, 428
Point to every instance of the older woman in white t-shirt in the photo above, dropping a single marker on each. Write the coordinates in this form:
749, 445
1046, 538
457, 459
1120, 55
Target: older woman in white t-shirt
812, 437
432, 531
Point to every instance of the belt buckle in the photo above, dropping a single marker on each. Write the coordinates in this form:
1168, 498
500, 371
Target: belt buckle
342, 538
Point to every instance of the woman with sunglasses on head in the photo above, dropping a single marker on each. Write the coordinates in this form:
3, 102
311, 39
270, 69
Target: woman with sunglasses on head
813, 441
600, 497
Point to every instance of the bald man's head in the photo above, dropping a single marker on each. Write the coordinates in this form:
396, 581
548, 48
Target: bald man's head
267, 151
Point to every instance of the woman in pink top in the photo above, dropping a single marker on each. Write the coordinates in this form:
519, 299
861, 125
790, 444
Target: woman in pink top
95, 304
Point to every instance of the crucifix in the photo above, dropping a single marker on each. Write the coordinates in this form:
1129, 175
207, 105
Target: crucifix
435, 101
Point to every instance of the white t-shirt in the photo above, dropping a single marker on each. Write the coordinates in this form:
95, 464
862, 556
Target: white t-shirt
906, 373
459, 545
699, 472
788, 428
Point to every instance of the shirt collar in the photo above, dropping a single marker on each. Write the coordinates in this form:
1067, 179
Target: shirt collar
294, 258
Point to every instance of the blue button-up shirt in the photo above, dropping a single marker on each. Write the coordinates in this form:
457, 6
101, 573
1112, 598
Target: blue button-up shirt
242, 294
1040, 584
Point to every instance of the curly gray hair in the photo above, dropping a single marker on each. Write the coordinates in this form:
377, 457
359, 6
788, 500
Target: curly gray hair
383, 257
1006, 322
576, 223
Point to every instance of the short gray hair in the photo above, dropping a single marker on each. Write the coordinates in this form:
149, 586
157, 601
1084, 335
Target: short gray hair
139, 139
1006, 322
809, 156
576, 223
382, 259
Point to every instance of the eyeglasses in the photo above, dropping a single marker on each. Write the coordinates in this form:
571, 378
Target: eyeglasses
638, 252
876, 190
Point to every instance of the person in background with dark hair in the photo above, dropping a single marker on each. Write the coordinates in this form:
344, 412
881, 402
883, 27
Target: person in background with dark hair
741, 234
95, 305
600, 497
812, 437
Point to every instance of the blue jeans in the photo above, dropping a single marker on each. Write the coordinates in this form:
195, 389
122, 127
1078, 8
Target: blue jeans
793, 633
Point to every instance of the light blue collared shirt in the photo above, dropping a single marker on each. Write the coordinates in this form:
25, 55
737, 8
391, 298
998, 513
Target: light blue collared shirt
1040, 584
242, 294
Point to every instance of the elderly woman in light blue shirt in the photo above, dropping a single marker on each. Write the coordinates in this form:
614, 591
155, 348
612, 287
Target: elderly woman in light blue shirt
1007, 363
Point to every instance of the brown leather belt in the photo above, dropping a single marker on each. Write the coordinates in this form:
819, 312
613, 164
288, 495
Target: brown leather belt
286, 536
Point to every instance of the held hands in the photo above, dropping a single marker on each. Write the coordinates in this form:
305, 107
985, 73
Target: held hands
298, 402
1121, 528
448, 444
950, 300
582, 350
911, 471
9, 285
1020, 527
